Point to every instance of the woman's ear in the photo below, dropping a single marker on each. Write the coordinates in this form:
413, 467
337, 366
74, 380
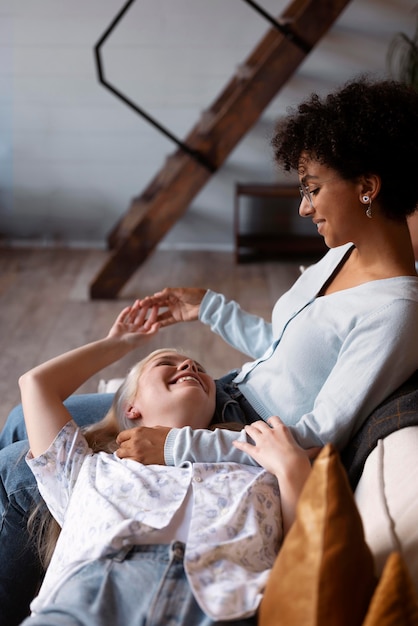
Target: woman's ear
370, 186
133, 413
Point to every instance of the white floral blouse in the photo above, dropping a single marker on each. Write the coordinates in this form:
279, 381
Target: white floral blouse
104, 503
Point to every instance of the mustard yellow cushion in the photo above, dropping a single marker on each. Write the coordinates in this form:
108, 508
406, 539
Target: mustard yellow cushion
394, 602
324, 572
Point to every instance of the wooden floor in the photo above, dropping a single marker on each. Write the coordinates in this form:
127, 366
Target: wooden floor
45, 308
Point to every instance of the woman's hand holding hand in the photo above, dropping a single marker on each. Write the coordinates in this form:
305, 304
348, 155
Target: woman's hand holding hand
134, 323
143, 444
181, 304
276, 450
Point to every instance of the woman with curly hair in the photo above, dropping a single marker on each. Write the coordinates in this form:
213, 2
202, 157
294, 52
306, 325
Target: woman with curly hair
344, 336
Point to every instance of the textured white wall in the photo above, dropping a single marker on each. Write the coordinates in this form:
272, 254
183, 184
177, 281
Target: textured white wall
72, 155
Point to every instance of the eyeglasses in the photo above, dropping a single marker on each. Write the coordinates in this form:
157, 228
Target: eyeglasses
306, 194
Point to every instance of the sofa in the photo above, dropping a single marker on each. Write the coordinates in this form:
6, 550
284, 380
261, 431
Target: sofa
351, 557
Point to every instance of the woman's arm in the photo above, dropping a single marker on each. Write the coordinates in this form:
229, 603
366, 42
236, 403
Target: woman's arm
248, 333
45, 387
160, 445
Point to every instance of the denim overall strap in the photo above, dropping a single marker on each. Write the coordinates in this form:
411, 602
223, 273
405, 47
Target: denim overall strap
231, 404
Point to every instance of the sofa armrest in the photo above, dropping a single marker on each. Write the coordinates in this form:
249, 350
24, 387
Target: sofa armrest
387, 499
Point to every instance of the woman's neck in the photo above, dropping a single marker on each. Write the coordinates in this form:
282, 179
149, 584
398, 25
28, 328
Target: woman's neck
383, 255
386, 252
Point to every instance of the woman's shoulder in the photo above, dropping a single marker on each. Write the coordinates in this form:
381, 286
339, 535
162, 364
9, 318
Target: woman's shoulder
396, 288
331, 258
69, 442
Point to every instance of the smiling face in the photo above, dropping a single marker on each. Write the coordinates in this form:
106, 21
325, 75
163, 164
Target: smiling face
173, 390
336, 208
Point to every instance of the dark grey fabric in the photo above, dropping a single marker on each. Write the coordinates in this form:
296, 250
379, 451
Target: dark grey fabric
398, 411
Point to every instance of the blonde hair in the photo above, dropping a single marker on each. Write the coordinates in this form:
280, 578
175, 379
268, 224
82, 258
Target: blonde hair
101, 437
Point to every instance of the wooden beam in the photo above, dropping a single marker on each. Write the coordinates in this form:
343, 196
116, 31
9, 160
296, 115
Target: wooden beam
216, 134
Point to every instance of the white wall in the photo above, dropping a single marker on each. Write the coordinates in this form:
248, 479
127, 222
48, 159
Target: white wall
72, 155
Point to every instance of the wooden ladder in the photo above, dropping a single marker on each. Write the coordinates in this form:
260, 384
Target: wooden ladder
220, 128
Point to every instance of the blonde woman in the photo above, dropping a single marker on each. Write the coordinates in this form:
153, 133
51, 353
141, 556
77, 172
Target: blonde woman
175, 545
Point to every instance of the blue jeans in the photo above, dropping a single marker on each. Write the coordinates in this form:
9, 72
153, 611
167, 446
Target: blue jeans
143, 585
85, 408
20, 569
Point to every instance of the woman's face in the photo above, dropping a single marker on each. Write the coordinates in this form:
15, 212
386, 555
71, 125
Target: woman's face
335, 206
174, 390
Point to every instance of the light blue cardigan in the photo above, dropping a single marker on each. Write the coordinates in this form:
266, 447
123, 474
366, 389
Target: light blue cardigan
323, 363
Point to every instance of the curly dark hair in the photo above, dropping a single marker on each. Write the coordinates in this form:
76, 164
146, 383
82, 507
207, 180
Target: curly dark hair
365, 127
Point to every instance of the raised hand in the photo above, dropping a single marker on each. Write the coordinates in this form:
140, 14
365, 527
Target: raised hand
181, 304
134, 322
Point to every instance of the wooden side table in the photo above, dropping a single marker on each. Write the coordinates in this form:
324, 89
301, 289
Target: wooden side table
278, 237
